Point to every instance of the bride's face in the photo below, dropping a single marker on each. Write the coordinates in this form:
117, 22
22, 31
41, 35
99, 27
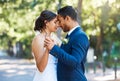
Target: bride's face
52, 25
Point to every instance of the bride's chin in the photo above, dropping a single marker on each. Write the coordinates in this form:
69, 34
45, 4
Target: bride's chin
55, 30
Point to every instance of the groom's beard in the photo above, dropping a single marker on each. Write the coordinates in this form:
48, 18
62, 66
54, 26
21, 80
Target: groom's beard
65, 28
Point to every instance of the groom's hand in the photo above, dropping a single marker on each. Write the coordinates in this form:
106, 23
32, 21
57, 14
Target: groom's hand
49, 43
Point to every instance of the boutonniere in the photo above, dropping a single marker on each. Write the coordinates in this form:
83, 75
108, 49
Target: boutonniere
65, 40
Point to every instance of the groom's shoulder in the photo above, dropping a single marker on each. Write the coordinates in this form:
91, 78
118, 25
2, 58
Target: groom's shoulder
80, 33
80, 36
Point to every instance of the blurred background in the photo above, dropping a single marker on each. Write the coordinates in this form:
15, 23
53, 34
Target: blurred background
100, 19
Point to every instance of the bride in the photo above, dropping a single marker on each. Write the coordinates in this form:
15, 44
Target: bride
46, 64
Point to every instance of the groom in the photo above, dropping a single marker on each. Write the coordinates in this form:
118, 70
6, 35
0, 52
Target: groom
72, 54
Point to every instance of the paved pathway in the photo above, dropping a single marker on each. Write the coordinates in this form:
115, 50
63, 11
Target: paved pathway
12, 69
109, 75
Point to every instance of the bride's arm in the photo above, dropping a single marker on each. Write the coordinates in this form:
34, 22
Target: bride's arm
40, 53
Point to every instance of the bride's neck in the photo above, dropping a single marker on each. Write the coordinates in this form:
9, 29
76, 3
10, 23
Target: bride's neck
46, 32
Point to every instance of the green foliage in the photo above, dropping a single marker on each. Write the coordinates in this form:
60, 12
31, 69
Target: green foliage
17, 19
26, 41
101, 16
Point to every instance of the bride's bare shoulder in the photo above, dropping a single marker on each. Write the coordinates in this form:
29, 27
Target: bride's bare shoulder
38, 39
37, 45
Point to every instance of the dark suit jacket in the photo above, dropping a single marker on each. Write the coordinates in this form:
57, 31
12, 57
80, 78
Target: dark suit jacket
72, 56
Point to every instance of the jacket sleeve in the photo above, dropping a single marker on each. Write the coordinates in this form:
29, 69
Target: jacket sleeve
79, 50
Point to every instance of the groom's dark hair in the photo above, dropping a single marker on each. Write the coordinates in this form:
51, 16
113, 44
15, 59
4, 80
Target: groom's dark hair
68, 11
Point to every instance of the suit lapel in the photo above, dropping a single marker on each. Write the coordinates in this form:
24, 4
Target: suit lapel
72, 34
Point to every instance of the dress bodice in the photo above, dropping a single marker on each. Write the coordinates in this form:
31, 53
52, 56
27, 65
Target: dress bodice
50, 72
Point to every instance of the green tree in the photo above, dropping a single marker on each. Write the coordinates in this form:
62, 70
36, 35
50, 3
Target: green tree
99, 20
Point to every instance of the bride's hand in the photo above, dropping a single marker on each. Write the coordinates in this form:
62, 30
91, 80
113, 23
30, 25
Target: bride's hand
49, 43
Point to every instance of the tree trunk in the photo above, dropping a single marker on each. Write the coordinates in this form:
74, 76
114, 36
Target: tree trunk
79, 10
59, 29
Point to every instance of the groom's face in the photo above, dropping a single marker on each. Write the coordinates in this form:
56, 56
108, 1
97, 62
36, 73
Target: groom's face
63, 23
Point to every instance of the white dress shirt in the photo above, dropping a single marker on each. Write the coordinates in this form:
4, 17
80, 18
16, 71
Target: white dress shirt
72, 29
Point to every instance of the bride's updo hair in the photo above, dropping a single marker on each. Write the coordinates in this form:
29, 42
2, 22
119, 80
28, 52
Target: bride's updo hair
40, 21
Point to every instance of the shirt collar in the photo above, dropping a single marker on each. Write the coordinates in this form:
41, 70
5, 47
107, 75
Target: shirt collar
72, 30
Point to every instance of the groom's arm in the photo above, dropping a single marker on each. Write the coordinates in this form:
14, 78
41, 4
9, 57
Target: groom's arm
79, 50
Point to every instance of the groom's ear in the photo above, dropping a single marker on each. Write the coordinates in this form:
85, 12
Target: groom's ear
68, 18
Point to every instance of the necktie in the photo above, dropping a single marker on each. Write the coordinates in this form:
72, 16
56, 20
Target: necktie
67, 36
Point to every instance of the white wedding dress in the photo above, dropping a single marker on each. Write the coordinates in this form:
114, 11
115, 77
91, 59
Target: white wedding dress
50, 72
